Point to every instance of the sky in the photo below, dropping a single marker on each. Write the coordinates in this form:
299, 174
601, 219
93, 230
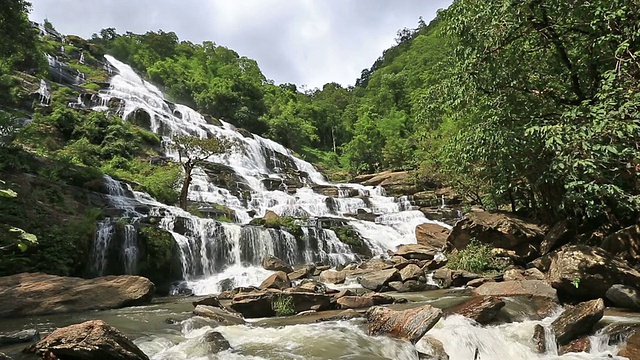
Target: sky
304, 42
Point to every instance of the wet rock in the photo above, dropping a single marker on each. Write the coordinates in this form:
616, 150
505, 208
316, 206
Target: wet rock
577, 321
408, 286
4, 357
37, 293
345, 292
343, 315
409, 325
312, 286
279, 280
432, 236
319, 269
23, 336
514, 288
436, 263
482, 309
416, 251
274, 264
540, 339
632, 348
209, 301
218, 314
255, 304
462, 277
411, 272
582, 344
624, 296
378, 279
624, 244
333, 276
228, 295
499, 230
87, 341
303, 301
216, 342
367, 300
585, 272
443, 277
430, 348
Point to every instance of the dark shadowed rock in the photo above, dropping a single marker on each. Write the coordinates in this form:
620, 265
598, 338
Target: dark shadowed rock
19, 337
303, 301
376, 280
275, 264
364, 301
255, 304
408, 286
624, 244
278, 280
540, 339
87, 341
302, 273
409, 325
624, 296
333, 276
432, 236
462, 277
514, 288
416, 251
556, 237
209, 301
216, 342
37, 293
585, 272
218, 314
482, 309
500, 230
577, 321
343, 315
479, 281
4, 357
443, 277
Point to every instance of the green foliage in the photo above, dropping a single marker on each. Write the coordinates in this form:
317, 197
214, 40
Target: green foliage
283, 305
22, 239
287, 223
160, 181
476, 258
348, 236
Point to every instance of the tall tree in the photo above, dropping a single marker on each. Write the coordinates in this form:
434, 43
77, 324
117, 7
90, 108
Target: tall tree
193, 152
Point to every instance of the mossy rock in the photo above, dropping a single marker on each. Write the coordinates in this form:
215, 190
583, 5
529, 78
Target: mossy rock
157, 255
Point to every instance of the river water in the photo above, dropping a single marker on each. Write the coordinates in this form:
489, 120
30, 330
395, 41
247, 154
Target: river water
167, 330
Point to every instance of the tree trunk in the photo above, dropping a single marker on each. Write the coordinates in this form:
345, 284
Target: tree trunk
185, 185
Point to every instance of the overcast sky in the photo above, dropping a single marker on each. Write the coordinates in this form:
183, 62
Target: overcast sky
305, 42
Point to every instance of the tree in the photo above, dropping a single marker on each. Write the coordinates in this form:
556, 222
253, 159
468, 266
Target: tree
18, 38
193, 152
21, 238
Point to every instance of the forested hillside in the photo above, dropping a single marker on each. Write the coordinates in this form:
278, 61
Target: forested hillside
529, 106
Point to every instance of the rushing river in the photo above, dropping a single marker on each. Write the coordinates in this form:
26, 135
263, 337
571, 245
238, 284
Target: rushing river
167, 330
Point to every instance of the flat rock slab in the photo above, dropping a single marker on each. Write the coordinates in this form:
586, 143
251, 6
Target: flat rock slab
514, 288
38, 294
409, 325
482, 309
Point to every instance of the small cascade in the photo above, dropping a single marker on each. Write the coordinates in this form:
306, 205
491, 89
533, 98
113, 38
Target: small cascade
130, 249
44, 92
102, 240
81, 60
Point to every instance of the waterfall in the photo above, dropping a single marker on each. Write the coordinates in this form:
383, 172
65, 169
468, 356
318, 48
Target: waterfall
102, 239
44, 92
130, 249
260, 175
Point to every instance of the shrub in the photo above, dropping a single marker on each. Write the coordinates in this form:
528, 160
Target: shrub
283, 306
476, 257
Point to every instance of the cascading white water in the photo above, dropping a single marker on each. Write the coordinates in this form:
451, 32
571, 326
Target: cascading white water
102, 239
43, 91
130, 249
209, 248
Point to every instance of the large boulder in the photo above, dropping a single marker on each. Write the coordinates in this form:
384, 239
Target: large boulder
482, 309
87, 341
377, 280
577, 321
499, 230
37, 293
632, 348
303, 301
409, 325
432, 236
333, 277
411, 286
430, 348
277, 280
275, 264
215, 342
364, 301
585, 272
417, 252
255, 304
396, 183
411, 272
516, 288
624, 296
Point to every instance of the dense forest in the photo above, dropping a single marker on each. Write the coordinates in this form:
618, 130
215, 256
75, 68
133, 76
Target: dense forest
527, 106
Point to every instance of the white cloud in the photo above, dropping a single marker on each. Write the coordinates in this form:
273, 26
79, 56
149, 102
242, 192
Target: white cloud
309, 42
